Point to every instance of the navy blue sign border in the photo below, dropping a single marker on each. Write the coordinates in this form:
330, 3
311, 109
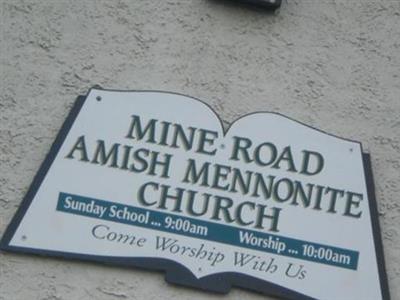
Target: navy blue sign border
176, 273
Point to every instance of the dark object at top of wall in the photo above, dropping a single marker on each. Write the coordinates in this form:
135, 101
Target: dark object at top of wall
268, 4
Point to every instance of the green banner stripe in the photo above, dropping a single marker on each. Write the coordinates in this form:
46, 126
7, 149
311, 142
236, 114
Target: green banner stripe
210, 231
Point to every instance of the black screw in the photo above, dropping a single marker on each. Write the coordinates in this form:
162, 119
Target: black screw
98, 98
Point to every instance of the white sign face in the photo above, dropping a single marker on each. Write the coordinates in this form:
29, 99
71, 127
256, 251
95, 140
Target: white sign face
152, 179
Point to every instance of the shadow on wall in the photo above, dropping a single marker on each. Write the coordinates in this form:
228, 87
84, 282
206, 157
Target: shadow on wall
267, 6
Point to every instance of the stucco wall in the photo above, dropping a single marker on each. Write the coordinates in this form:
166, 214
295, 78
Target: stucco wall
334, 65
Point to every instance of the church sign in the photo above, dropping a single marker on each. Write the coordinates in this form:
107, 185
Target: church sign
153, 179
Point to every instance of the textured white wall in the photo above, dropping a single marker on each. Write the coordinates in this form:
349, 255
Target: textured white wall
334, 65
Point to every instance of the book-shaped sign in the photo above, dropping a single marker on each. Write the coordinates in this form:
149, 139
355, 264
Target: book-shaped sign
153, 179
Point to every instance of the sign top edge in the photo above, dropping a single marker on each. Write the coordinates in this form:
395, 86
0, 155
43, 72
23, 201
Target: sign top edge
225, 129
